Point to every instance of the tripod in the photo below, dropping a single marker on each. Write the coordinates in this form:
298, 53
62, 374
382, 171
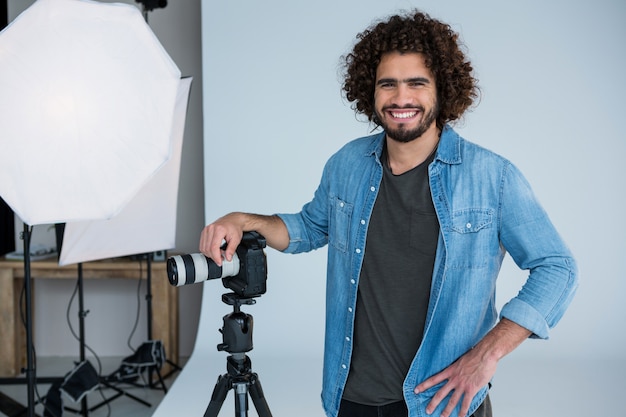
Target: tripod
237, 339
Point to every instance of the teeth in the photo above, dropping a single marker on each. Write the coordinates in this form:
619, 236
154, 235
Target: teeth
404, 115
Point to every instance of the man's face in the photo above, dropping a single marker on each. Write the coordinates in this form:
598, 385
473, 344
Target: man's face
405, 96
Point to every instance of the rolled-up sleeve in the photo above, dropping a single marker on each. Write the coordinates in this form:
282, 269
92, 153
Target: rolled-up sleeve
534, 244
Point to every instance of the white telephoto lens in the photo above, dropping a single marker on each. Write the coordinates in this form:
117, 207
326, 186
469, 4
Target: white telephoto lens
230, 268
201, 267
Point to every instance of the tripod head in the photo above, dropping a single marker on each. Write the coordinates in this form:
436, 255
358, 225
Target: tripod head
237, 329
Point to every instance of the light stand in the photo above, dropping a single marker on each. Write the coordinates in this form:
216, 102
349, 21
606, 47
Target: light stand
112, 108
237, 339
30, 378
30, 362
82, 314
175, 366
148, 6
81, 327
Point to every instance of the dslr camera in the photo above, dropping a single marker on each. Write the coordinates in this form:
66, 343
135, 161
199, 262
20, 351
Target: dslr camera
245, 274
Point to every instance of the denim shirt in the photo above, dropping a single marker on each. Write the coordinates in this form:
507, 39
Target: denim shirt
485, 209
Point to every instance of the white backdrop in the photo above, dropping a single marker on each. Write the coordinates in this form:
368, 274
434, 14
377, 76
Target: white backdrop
552, 83
551, 75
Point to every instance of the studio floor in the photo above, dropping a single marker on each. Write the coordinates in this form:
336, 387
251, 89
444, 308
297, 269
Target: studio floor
123, 406
522, 388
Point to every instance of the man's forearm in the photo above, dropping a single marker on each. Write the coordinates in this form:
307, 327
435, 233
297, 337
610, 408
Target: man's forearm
271, 227
502, 340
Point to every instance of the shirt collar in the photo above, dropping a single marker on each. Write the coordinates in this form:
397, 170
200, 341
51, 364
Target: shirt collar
449, 148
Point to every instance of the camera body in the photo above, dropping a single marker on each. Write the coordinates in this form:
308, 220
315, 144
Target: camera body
245, 275
252, 277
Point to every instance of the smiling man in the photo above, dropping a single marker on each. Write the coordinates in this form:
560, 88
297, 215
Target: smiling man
417, 221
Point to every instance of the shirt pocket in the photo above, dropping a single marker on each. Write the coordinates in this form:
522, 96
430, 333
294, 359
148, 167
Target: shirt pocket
471, 238
471, 220
339, 223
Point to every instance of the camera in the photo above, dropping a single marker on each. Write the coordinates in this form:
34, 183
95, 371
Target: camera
245, 274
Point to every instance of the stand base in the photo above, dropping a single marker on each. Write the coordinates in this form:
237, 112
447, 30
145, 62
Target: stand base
118, 393
10, 407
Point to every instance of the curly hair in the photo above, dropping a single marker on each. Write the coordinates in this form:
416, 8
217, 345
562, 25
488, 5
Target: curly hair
413, 33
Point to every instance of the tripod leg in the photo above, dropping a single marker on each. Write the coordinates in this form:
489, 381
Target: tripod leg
258, 398
241, 399
219, 395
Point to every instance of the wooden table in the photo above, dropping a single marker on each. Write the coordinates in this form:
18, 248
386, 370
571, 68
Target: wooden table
13, 333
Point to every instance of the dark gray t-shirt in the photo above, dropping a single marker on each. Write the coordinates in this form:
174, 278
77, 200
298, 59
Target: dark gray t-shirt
394, 286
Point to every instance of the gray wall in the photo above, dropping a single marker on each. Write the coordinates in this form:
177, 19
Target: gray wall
551, 74
113, 303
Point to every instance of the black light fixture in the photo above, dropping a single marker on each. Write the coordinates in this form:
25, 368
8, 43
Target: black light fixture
150, 5
4, 13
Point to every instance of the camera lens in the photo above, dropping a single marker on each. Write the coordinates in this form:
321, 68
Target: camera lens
195, 267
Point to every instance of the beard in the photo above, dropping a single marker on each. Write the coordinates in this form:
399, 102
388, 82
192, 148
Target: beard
402, 133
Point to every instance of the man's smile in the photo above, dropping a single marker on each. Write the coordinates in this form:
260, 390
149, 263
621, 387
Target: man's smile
403, 114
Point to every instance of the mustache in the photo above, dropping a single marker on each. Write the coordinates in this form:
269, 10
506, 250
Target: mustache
405, 107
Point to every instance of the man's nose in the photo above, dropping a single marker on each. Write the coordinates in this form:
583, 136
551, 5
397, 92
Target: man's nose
402, 95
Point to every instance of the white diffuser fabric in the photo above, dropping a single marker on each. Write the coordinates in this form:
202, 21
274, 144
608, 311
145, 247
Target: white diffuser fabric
148, 222
86, 109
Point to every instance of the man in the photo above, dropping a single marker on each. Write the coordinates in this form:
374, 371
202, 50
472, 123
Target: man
418, 221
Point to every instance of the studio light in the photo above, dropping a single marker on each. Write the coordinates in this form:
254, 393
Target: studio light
92, 113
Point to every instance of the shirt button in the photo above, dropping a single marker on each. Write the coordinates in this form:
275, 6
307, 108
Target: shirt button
350, 309
347, 339
341, 204
469, 225
372, 188
352, 281
362, 221
358, 250
344, 366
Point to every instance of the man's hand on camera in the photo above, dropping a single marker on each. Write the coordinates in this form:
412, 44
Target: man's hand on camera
227, 229
230, 229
